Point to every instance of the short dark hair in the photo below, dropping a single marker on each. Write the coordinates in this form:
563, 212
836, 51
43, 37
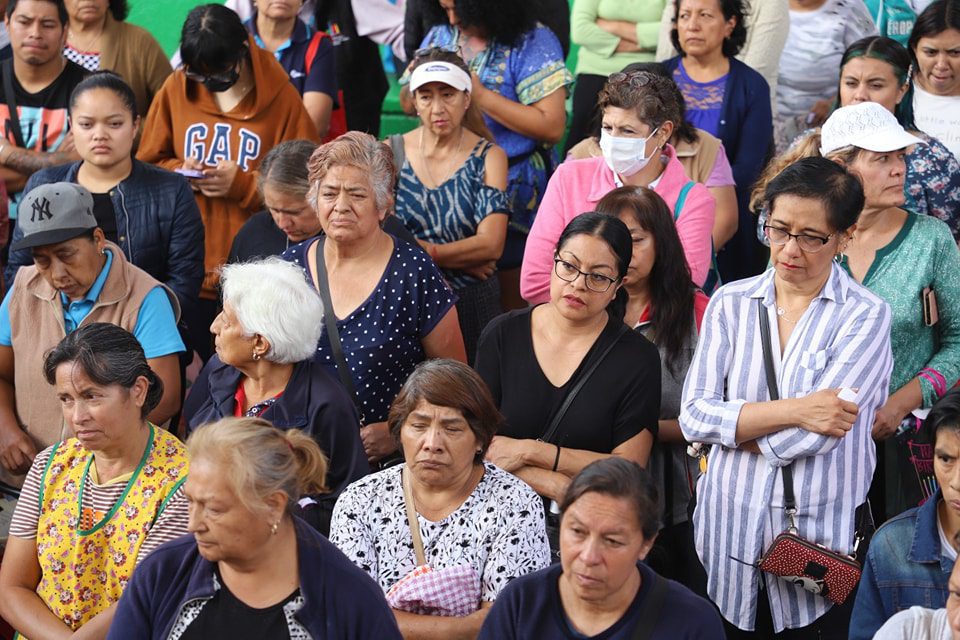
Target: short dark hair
108, 355
106, 80
934, 20
612, 231
683, 129
652, 97
619, 478
945, 413
503, 21
448, 383
213, 39
119, 9
61, 9
817, 178
730, 9
899, 59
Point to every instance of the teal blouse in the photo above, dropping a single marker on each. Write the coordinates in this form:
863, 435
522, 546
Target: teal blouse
923, 254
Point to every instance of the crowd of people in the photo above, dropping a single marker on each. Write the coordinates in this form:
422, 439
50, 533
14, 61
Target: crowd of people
684, 365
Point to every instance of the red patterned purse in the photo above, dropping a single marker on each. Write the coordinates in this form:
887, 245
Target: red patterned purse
806, 564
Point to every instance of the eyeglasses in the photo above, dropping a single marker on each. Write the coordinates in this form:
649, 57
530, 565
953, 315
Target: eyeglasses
596, 282
632, 78
807, 243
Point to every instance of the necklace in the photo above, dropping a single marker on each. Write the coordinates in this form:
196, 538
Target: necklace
89, 47
781, 312
453, 159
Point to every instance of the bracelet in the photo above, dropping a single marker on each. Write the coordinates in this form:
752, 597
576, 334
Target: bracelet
433, 247
3, 147
556, 461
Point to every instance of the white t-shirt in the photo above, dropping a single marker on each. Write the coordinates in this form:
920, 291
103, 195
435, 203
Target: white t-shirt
916, 623
946, 549
810, 62
938, 116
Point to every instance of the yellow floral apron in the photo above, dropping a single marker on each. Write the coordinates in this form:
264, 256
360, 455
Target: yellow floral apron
86, 556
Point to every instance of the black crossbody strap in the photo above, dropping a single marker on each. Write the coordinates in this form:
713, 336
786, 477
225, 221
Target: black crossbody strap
10, 97
789, 500
650, 609
551, 430
330, 324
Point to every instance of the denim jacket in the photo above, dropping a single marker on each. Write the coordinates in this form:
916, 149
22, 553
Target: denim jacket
904, 568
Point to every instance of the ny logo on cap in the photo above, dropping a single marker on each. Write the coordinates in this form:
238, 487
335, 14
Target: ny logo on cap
41, 210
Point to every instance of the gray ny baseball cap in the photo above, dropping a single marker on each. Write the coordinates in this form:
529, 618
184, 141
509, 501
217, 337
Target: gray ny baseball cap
53, 213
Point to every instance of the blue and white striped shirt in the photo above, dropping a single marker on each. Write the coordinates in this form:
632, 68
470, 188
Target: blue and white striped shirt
842, 340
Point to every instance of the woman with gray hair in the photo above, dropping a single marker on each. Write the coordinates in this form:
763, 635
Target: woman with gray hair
265, 338
251, 569
389, 307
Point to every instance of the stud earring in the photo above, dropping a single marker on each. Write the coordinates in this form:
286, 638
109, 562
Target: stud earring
274, 527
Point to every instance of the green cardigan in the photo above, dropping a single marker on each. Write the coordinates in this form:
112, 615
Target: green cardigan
923, 254
597, 53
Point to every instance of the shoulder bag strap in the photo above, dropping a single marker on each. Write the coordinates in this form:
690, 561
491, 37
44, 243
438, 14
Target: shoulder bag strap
10, 97
312, 49
319, 271
789, 500
412, 517
681, 200
551, 430
650, 609
399, 152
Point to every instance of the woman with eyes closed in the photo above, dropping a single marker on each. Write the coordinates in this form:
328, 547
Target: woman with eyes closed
547, 351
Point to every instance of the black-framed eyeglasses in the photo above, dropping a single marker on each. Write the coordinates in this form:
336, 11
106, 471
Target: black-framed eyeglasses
806, 242
596, 282
229, 76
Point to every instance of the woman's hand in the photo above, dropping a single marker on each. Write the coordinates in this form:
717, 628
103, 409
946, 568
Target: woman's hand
218, 180
16, 450
819, 112
887, 420
506, 453
477, 89
377, 441
824, 413
482, 271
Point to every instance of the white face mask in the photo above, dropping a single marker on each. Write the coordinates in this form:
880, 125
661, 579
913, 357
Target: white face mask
625, 156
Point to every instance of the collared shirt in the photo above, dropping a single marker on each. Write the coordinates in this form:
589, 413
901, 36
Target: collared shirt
291, 55
842, 340
156, 327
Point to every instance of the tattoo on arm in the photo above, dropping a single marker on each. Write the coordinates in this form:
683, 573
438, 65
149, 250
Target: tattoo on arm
29, 162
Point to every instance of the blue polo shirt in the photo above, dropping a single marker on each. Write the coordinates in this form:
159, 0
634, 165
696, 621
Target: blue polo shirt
156, 327
292, 57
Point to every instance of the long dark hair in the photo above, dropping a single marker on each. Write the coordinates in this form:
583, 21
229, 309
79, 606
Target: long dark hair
934, 20
617, 236
671, 287
502, 21
895, 55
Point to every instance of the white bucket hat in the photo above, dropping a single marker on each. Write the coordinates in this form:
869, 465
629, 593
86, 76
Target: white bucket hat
867, 125
449, 74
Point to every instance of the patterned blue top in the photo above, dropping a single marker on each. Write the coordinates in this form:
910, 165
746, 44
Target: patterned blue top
452, 211
704, 100
526, 73
381, 338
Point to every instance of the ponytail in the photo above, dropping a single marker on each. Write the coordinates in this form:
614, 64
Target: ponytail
311, 463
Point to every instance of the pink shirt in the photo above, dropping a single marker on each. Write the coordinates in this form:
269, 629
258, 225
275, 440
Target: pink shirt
577, 186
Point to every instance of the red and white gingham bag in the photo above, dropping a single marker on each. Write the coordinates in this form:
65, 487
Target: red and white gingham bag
452, 591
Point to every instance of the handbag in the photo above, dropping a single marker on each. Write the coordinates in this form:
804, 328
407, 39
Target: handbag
806, 564
452, 591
